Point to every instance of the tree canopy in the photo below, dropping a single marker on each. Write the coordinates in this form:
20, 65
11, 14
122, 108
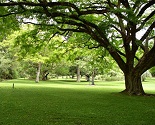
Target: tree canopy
122, 27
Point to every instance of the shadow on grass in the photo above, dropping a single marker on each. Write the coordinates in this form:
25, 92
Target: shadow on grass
65, 82
18, 81
82, 82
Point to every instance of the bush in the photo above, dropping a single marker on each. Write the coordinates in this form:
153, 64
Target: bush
99, 77
114, 78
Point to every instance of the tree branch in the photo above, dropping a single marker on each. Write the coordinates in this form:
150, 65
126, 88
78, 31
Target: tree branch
42, 4
146, 19
150, 3
44, 7
148, 31
9, 14
125, 3
93, 47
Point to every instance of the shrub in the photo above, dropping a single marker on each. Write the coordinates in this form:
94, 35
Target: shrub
114, 78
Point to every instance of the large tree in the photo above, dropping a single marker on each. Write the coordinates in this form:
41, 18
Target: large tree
112, 24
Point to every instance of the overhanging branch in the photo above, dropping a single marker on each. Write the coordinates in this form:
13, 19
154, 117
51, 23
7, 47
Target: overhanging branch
148, 31
150, 3
9, 14
146, 19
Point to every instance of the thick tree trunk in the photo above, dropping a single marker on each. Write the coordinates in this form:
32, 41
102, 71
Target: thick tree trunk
133, 85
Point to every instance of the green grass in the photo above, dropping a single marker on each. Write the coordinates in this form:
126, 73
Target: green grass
62, 102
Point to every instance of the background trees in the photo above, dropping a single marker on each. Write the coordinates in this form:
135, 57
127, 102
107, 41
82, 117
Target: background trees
8, 62
113, 25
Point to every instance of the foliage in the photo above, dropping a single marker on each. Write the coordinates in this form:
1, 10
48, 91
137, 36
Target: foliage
37, 47
62, 69
7, 24
27, 50
152, 70
8, 63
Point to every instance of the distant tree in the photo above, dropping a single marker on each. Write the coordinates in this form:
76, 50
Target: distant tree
62, 69
72, 71
37, 48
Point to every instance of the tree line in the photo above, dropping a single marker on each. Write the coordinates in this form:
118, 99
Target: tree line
23, 59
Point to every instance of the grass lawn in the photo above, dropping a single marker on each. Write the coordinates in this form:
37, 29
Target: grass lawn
65, 102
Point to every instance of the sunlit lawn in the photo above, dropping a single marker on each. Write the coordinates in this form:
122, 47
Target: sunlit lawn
65, 102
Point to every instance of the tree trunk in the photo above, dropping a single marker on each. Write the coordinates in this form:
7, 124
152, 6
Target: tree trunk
45, 76
88, 77
93, 77
78, 73
38, 72
133, 85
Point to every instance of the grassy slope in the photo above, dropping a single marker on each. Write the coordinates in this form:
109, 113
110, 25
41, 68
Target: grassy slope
70, 103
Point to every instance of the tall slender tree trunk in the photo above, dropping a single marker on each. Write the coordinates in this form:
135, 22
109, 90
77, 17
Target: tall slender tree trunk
78, 73
133, 84
38, 72
93, 77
